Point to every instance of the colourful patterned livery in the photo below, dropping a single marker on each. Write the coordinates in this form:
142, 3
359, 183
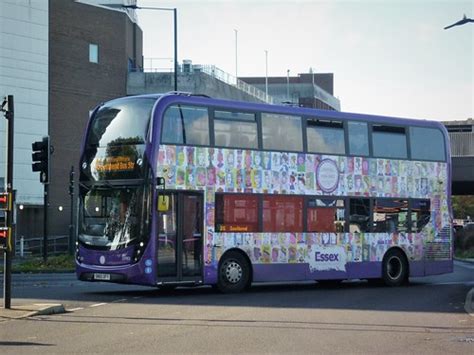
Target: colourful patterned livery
178, 189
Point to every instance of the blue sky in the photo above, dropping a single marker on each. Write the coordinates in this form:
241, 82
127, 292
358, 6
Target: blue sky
388, 57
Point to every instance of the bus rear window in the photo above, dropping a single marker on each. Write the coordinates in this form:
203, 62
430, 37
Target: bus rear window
427, 144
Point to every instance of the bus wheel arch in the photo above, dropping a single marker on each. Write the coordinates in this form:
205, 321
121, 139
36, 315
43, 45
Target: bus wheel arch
395, 267
234, 273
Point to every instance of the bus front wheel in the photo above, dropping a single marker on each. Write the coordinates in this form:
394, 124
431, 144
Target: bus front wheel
234, 273
394, 268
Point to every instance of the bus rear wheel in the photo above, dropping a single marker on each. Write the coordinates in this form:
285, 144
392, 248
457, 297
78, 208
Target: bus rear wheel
234, 273
394, 268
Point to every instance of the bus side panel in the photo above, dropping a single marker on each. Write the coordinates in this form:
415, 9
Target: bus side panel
370, 270
438, 267
279, 272
417, 268
210, 274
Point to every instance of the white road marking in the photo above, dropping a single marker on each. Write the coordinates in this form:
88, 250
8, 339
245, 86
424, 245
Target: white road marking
120, 300
74, 309
469, 304
97, 305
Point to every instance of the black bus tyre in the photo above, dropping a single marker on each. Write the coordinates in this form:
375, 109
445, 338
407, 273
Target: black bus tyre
394, 268
234, 273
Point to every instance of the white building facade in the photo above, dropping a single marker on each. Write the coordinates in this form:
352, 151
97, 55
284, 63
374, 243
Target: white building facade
24, 74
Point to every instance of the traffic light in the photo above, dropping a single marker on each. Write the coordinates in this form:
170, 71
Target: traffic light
41, 159
5, 201
5, 237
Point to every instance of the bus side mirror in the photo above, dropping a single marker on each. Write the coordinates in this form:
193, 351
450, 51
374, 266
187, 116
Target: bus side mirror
160, 181
163, 203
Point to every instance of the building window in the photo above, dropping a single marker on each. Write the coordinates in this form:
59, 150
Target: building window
93, 53
236, 213
282, 214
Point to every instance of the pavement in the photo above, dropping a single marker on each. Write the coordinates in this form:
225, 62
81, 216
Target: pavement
30, 310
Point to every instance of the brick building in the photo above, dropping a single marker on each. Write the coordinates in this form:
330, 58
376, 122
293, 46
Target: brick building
91, 49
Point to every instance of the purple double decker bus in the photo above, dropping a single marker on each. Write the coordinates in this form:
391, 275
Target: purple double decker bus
177, 189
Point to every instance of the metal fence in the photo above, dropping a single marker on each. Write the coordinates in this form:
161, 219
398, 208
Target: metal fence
462, 143
229, 79
57, 245
165, 65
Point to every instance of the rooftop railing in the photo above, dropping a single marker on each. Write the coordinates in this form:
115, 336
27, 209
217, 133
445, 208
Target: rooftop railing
229, 79
164, 65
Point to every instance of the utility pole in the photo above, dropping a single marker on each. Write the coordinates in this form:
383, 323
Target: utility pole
71, 222
236, 74
266, 75
288, 85
9, 112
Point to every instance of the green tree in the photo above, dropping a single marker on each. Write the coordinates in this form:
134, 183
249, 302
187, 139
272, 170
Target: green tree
463, 206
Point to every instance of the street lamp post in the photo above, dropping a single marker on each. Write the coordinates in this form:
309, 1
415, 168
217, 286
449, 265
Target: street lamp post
175, 16
288, 84
266, 75
236, 53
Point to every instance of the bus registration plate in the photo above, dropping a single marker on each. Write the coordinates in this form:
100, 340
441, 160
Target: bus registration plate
102, 277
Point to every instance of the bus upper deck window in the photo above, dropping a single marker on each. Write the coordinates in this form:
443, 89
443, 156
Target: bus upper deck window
389, 141
325, 136
235, 129
358, 138
186, 125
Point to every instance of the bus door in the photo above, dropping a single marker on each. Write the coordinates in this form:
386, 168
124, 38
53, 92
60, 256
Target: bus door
180, 237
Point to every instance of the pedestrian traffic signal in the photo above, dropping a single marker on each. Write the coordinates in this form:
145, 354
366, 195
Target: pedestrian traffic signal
41, 159
5, 237
5, 201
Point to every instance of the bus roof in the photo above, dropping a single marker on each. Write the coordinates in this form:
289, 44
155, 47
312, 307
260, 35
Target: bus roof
178, 97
